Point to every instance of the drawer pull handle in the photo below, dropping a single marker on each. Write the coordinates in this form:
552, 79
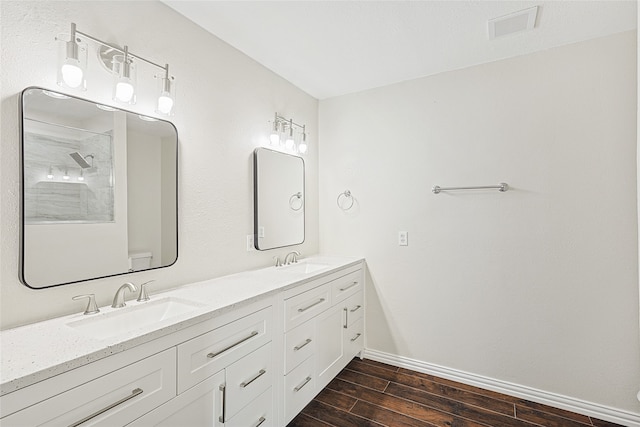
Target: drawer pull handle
356, 337
358, 307
223, 389
301, 310
260, 421
246, 383
348, 287
298, 347
346, 318
135, 392
212, 355
304, 383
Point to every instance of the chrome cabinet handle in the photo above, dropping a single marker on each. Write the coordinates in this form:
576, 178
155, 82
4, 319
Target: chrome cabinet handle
260, 421
348, 287
212, 355
135, 392
298, 347
304, 383
223, 389
301, 310
346, 318
246, 383
356, 337
358, 307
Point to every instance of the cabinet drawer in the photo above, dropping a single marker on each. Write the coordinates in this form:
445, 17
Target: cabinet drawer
300, 308
209, 353
257, 413
113, 399
198, 406
354, 339
353, 309
346, 286
299, 389
299, 344
247, 378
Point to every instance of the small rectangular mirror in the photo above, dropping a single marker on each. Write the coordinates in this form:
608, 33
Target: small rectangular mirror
99, 190
279, 199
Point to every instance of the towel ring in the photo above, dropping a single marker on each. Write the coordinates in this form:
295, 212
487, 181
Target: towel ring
347, 195
292, 201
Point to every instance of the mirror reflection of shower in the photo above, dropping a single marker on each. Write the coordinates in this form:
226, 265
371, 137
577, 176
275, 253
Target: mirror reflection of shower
82, 162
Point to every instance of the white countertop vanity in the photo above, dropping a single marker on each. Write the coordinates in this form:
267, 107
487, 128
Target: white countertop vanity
247, 349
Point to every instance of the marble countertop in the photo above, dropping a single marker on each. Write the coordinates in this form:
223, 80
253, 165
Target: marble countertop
22, 360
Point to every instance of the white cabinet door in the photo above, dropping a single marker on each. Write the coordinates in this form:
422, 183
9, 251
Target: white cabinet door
329, 349
199, 406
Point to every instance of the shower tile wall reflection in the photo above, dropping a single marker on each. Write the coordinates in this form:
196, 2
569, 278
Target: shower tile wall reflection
57, 188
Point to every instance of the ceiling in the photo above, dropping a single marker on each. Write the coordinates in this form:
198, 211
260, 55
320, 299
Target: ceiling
331, 48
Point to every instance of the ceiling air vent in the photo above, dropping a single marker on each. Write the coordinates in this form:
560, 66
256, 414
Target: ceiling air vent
517, 22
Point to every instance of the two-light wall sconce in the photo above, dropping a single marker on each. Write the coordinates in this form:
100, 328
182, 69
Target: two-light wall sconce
123, 65
287, 134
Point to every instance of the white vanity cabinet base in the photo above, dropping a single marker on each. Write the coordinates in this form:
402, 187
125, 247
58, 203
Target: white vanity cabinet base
155, 376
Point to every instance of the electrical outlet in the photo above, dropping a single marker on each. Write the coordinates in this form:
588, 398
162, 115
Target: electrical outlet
403, 238
250, 245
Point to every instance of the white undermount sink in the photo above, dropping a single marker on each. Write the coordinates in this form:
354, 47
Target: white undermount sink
304, 267
135, 316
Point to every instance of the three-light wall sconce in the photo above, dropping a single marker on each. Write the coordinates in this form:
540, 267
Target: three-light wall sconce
72, 69
287, 134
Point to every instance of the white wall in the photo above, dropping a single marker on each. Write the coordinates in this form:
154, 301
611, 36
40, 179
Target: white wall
224, 102
537, 286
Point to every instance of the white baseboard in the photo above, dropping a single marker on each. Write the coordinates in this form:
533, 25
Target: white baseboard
563, 402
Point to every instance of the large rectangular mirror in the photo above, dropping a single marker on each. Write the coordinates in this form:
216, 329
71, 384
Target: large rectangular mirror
279, 197
99, 190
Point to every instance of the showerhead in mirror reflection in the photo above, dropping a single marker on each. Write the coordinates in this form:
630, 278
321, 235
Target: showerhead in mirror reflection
102, 181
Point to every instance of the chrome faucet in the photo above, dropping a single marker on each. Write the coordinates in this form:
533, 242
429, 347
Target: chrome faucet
294, 257
118, 300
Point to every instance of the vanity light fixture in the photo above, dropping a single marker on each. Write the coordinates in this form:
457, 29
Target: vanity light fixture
66, 175
122, 63
288, 127
50, 174
81, 176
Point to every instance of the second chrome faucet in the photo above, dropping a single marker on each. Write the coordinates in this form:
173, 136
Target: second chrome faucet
118, 299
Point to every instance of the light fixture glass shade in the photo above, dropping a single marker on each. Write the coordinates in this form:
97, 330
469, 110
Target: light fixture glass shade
72, 62
124, 79
166, 96
274, 135
302, 147
290, 142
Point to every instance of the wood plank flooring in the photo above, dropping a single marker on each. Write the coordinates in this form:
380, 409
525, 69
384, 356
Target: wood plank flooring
369, 393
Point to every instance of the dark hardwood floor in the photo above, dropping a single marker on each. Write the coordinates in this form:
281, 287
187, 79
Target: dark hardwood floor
368, 393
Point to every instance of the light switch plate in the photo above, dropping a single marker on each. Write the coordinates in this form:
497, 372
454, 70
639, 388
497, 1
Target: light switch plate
250, 245
403, 238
